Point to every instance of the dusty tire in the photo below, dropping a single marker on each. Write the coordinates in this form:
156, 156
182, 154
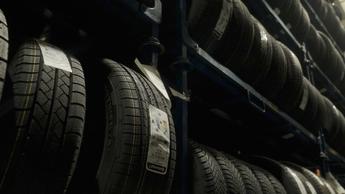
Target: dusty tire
50, 111
207, 176
122, 169
3, 50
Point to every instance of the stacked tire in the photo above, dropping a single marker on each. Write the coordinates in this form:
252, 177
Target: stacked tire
216, 172
245, 47
324, 53
294, 16
213, 171
330, 19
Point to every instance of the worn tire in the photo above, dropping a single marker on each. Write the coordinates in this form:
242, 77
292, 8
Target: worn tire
50, 111
207, 176
3, 50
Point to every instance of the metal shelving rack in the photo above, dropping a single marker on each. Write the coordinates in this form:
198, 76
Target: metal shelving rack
188, 56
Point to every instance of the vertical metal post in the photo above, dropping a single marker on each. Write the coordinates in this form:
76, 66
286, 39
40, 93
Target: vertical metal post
323, 154
181, 124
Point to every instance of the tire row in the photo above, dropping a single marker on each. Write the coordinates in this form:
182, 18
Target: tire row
321, 48
44, 153
215, 172
330, 19
246, 48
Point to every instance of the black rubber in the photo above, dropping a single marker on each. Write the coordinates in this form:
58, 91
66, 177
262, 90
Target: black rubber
207, 176
311, 177
251, 184
3, 50
283, 6
277, 186
311, 109
241, 26
207, 22
276, 76
328, 122
50, 111
284, 174
237, 58
122, 169
307, 185
328, 187
334, 68
292, 91
231, 175
265, 183
259, 59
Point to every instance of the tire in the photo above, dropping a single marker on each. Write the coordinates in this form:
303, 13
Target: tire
307, 185
239, 56
311, 177
329, 188
265, 184
292, 91
123, 168
50, 111
310, 112
207, 175
285, 175
277, 186
231, 175
276, 76
3, 50
251, 184
207, 22
329, 120
234, 51
281, 7
259, 59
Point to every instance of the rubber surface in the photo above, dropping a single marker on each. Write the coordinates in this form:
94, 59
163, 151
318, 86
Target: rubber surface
285, 175
128, 96
265, 183
277, 74
312, 178
3, 50
207, 176
50, 111
207, 22
277, 186
251, 184
231, 175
